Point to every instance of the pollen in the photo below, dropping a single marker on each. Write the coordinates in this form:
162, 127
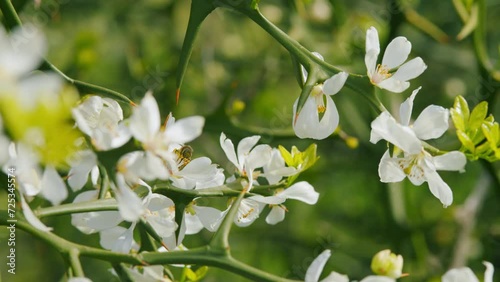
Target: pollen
321, 109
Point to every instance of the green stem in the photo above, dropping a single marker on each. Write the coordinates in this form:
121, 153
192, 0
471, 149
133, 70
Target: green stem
206, 256
479, 39
89, 206
11, 18
74, 261
220, 241
201, 256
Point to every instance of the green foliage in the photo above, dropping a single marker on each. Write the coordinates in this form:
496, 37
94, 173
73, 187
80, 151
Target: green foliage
478, 133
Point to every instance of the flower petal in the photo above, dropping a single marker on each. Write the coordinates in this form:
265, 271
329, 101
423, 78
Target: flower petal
308, 124
407, 107
389, 170
333, 85
394, 85
211, 218
145, 120
91, 222
80, 169
431, 123
31, 217
372, 47
452, 161
258, 157
22, 50
301, 191
185, 130
335, 277
228, 148
377, 278
248, 211
53, 187
118, 239
385, 127
459, 274
246, 144
396, 52
129, 204
488, 274
276, 215
314, 271
410, 69
438, 187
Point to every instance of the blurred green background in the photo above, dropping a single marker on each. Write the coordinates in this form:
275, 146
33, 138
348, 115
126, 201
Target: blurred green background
134, 46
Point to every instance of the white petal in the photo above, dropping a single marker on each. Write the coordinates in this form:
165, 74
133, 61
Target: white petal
244, 147
31, 217
53, 187
431, 123
301, 191
335, 277
23, 51
228, 148
276, 215
333, 85
118, 239
452, 161
372, 47
91, 222
185, 130
396, 52
270, 200
79, 279
384, 126
308, 124
389, 170
376, 278
80, 169
211, 218
193, 224
394, 85
145, 120
259, 156
248, 211
129, 204
438, 187
463, 274
314, 271
488, 274
410, 69
407, 107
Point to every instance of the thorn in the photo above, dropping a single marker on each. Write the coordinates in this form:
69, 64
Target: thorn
177, 96
133, 104
165, 246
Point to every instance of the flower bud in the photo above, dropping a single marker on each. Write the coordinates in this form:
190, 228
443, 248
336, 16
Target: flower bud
387, 264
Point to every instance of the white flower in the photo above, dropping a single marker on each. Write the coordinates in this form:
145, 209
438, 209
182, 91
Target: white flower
152, 273
395, 55
198, 217
101, 119
92, 222
159, 141
248, 211
465, 274
31, 178
416, 163
276, 168
301, 191
21, 51
249, 156
82, 164
129, 204
31, 217
119, 239
142, 165
309, 124
160, 214
198, 173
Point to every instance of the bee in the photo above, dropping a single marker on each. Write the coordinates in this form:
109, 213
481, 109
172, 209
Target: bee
184, 155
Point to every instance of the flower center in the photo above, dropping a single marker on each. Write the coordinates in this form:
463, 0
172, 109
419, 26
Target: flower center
381, 73
318, 95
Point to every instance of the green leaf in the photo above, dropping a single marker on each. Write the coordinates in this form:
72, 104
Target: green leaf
287, 156
201, 272
460, 113
477, 117
466, 141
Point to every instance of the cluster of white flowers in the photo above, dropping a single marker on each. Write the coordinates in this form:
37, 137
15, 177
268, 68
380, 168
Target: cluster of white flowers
415, 163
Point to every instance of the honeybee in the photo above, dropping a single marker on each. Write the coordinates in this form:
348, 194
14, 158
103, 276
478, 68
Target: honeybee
184, 155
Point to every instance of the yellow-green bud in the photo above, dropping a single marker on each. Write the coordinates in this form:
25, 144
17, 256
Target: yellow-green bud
387, 264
